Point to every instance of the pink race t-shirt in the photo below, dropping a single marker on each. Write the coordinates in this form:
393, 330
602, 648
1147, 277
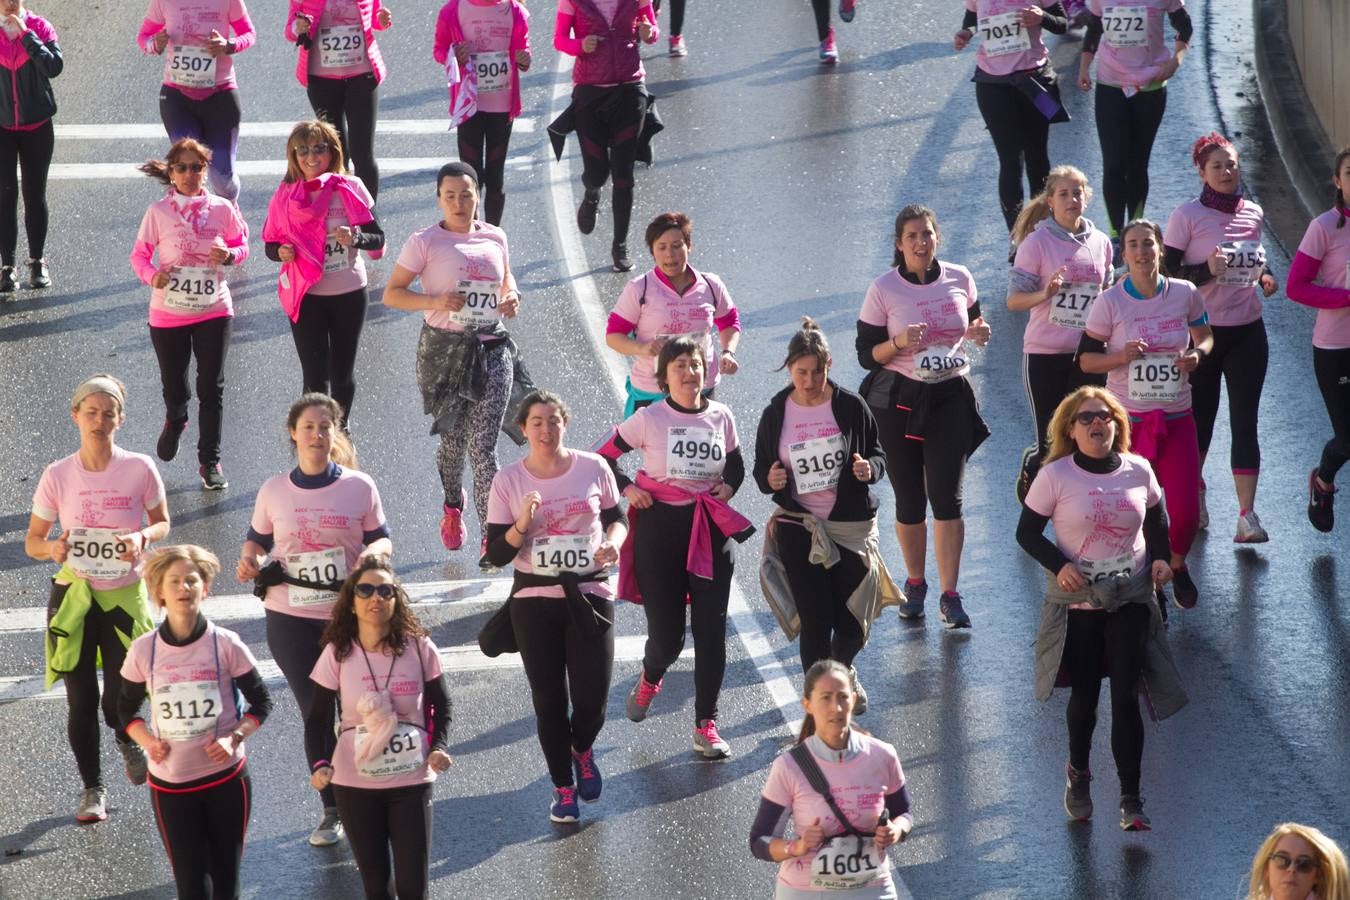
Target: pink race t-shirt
806, 451
1324, 241
858, 786
1233, 298
487, 27
189, 23
192, 694
339, 30
442, 259
181, 231
570, 504
114, 499
310, 521
344, 270
1163, 323
1087, 272
694, 445
656, 309
1133, 48
1006, 46
896, 303
405, 677
1098, 518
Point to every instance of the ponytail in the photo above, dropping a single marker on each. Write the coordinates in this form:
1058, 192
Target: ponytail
1036, 209
809, 341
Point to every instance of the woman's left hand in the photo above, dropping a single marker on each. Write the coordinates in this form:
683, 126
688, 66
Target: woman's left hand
1188, 361
343, 235
509, 305
862, 469
607, 554
439, 761
523, 60
135, 543
219, 255
216, 45
384, 19
979, 332
1168, 69
723, 492
727, 364
1161, 572
220, 750
1269, 285
644, 31
1031, 16
892, 833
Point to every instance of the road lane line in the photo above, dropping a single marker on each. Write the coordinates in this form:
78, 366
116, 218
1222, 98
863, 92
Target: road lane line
154, 130
245, 168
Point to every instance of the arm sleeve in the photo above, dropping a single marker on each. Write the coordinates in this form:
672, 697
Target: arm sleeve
319, 724
897, 803
563, 41
770, 822
1181, 23
1092, 36
129, 701
973, 311
435, 694
1300, 288
369, 236
868, 337
265, 541
1155, 533
1054, 19
1173, 265
611, 514
45, 56
1031, 538
734, 471
499, 550
1089, 344
153, 25
256, 695
969, 20
614, 448
244, 33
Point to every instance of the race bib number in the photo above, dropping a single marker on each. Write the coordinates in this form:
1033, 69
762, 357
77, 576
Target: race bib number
94, 554
480, 303
1069, 308
335, 257
554, 554
403, 753
317, 566
1155, 377
693, 452
841, 864
192, 67
341, 46
940, 363
1125, 26
1095, 570
1004, 34
493, 71
192, 289
816, 463
1246, 262
186, 710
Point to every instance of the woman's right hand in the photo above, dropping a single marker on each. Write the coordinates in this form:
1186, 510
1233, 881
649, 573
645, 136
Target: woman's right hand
286, 253
160, 40
59, 548
1084, 80
962, 38
157, 750
915, 334
462, 53
1056, 284
808, 841
248, 568
655, 345
160, 279
1070, 579
1218, 262
777, 478
590, 42
529, 506
637, 497
301, 24
320, 778
1135, 350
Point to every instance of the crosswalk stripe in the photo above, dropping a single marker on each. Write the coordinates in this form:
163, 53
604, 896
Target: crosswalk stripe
394, 165
154, 130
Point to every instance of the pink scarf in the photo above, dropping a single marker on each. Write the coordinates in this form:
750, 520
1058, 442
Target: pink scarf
195, 212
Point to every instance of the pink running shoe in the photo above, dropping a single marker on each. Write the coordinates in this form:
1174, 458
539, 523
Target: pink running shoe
708, 742
453, 532
640, 698
829, 53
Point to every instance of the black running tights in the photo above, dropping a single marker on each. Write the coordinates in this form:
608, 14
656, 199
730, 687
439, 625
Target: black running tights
1112, 643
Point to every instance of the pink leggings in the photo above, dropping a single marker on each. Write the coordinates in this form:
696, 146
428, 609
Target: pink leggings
1171, 447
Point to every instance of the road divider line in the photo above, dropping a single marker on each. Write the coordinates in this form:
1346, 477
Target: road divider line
154, 130
245, 168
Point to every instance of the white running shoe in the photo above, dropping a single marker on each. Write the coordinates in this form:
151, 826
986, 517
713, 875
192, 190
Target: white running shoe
1249, 530
329, 830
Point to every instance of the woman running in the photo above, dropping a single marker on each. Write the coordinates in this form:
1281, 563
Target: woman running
1109, 554
379, 668
845, 794
680, 555
1319, 277
829, 51
200, 97
29, 59
1062, 263
196, 675
315, 524
491, 43
1133, 68
1214, 242
465, 358
1296, 862
912, 330
555, 515
1015, 89
317, 222
816, 452
110, 506
678, 47
194, 234
672, 299
609, 101
1148, 333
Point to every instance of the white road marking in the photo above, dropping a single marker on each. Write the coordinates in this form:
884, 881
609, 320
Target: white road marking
154, 130
244, 168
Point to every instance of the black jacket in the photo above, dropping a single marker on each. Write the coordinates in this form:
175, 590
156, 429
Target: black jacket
853, 501
26, 96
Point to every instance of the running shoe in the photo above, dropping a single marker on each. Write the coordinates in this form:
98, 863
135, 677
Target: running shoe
1184, 592
213, 477
859, 695
93, 806
847, 9
1203, 522
952, 612
1320, 500
38, 277
640, 698
708, 742
8, 283
1078, 793
829, 53
1249, 530
1132, 816
590, 205
620, 253
166, 448
329, 830
677, 45
912, 606
485, 564
589, 782
563, 809
453, 532
1023, 476
136, 764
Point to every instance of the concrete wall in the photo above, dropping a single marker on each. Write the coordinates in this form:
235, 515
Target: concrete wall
1315, 28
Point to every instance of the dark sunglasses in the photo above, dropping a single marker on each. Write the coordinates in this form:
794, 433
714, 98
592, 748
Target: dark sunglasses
1093, 415
365, 591
312, 150
194, 168
1303, 865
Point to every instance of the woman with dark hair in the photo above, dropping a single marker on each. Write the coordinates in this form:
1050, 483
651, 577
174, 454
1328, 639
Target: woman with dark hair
845, 794
816, 452
680, 555
912, 330
194, 234
382, 671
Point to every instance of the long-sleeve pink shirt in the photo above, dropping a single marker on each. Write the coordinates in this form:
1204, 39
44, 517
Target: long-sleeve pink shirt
368, 13
182, 230
189, 23
1320, 277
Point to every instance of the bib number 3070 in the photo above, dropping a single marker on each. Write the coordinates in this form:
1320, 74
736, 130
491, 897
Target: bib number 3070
846, 862
480, 303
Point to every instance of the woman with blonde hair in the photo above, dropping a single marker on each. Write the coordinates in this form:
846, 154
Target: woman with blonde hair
1298, 862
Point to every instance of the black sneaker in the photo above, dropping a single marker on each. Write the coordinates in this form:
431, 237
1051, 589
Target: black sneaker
37, 274
590, 204
1184, 592
912, 606
213, 479
1023, 477
134, 757
952, 612
621, 261
1078, 793
8, 283
1320, 511
1132, 816
166, 448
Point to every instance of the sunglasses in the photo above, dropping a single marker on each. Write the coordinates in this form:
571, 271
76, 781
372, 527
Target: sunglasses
366, 591
1303, 865
312, 150
1093, 415
194, 168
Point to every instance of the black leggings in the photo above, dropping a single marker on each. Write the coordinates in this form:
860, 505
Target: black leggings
822, 10
562, 663
1021, 136
923, 472
483, 141
829, 630
33, 151
1048, 379
1240, 355
326, 337
609, 122
175, 347
379, 820
203, 833
1126, 127
1333, 378
351, 105
213, 120
661, 543
294, 644
1111, 644
676, 16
